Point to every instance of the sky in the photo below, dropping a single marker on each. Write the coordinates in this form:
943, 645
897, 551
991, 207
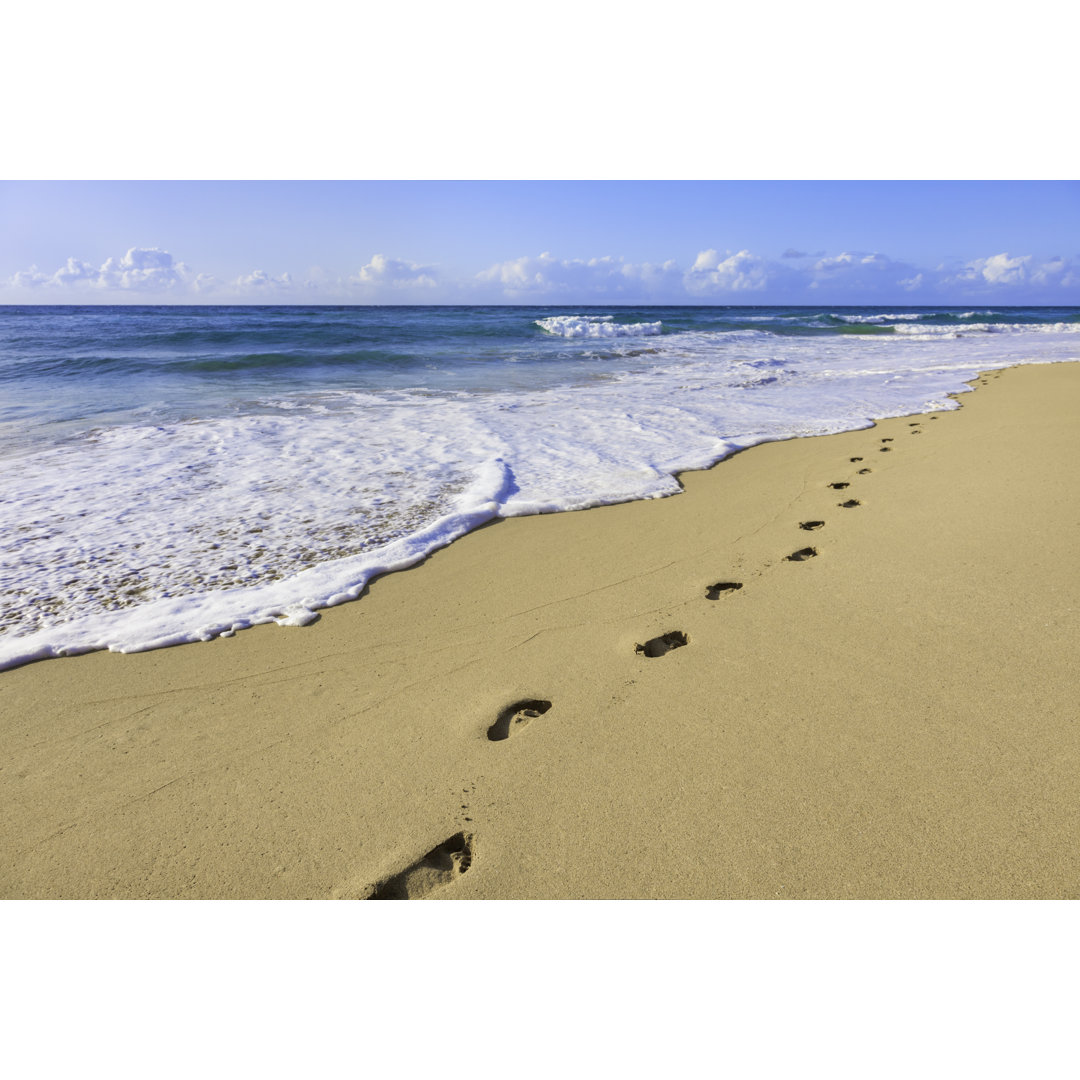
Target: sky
604, 242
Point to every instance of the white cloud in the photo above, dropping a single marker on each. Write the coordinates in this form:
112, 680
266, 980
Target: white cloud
1057, 271
139, 269
1001, 270
261, 281
394, 273
1003, 274
741, 272
604, 277
29, 279
713, 277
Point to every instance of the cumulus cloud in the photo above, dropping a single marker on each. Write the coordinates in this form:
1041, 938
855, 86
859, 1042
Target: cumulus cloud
395, 273
995, 270
743, 276
1057, 271
261, 281
142, 268
606, 277
1003, 274
741, 272
138, 269
863, 275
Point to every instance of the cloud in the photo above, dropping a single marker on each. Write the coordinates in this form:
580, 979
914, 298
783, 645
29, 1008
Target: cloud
150, 269
261, 281
395, 273
1057, 271
604, 277
744, 276
741, 272
863, 275
140, 268
1003, 274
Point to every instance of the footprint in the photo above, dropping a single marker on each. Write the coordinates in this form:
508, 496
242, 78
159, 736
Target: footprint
840, 485
713, 592
914, 423
516, 716
863, 472
850, 503
435, 870
856, 459
886, 440
658, 646
810, 525
801, 555
886, 449
915, 432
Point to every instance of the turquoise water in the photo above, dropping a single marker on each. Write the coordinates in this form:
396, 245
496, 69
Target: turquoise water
169, 474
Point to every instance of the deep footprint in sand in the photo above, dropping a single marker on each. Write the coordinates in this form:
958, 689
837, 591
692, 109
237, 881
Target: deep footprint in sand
721, 588
886, 449
801, 555
840, 485
516, 716
863, 472
886, 440
850, 503
810, 526
434, 871
856, 459
660, 646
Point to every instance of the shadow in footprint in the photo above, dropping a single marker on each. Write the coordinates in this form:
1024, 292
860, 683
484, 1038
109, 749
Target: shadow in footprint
435, 870
886, 440
801, 555
885, 449
714, 592
850, 503
863, 472
660, 646
811, 525
840, 485
516, 716
856, 459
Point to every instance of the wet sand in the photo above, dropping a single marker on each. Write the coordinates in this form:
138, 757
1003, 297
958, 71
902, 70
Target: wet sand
891, 716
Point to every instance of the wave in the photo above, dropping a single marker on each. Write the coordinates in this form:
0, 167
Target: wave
926, 331
596, 326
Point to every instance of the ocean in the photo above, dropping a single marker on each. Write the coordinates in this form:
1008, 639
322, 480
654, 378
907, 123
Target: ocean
171, 474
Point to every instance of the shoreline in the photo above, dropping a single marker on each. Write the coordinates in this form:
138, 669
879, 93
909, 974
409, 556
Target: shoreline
890, 717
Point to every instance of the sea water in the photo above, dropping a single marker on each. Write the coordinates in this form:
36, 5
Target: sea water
169, 474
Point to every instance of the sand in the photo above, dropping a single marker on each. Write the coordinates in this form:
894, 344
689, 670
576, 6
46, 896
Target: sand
893, 717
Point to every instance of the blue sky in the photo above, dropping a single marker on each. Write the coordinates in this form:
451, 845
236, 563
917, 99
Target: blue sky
604, 242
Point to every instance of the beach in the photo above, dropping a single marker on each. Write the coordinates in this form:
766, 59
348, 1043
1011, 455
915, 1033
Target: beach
868, 701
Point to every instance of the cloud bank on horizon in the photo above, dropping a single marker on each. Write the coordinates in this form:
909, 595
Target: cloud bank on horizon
153, 275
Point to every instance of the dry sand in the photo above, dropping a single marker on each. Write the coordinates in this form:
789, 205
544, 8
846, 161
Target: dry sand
894, 717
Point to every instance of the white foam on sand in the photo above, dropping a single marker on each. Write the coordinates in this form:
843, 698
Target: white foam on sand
135, 537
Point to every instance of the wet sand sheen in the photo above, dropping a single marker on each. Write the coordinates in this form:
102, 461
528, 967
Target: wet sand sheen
675, 698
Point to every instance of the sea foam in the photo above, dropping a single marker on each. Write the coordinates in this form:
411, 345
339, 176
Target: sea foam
138, 535
596, 326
